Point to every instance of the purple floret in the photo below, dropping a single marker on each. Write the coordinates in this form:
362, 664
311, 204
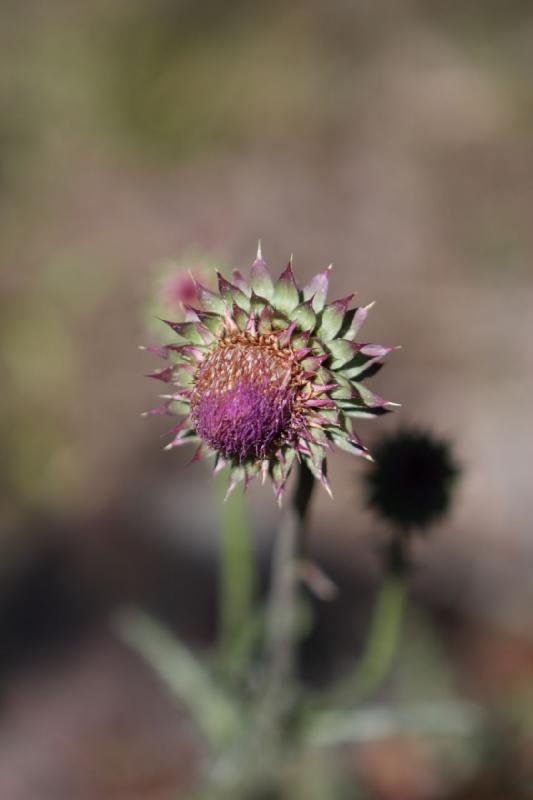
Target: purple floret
243, 421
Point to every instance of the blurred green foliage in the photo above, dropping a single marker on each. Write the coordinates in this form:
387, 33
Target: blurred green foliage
186, 78
40, 340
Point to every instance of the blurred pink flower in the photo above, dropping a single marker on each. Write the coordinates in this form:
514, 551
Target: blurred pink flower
179, 288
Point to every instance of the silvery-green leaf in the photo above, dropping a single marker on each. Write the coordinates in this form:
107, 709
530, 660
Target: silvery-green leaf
232, 294
362, 362
210, 301
239, 281
304, 316
264, 324
342, 351
213, 322
261, 281
300, 340
350, 445
177, 407
369, 398
237, 474
279, 320
240, 317
317, 289
359, 317
183, 377
333, 317
344, 390
190, 331
286, 296
257, 304
358, 411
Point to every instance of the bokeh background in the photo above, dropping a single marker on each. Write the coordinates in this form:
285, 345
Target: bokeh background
138, 139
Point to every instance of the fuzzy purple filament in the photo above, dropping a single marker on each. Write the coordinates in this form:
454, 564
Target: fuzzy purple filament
245, 420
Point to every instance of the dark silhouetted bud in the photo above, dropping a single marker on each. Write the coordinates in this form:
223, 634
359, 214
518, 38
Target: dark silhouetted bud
410, 483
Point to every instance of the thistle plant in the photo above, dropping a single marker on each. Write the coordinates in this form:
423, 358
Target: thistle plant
264, 373
265, 376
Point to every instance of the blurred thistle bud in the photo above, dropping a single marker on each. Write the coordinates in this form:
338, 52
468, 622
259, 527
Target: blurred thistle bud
411, 481
177, 288
174, 287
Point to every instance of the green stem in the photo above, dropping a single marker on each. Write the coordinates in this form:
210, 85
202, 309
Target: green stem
236, 576
385, 627
282, 607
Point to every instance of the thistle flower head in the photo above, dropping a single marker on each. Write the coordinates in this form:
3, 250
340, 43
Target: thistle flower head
264, 372
243, 398
412, 479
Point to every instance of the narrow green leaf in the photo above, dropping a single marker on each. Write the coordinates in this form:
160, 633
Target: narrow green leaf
184, 674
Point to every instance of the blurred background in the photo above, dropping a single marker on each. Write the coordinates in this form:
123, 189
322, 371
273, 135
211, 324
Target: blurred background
138, 140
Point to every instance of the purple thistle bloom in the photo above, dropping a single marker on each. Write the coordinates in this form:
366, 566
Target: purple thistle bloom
267, 372
242, 399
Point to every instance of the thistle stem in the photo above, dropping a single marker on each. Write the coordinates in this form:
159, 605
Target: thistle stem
281, 620
236, 576
385, 626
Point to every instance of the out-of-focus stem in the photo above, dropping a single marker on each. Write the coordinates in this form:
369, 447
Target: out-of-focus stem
385, 627
383, 637
281, 621
236, 575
